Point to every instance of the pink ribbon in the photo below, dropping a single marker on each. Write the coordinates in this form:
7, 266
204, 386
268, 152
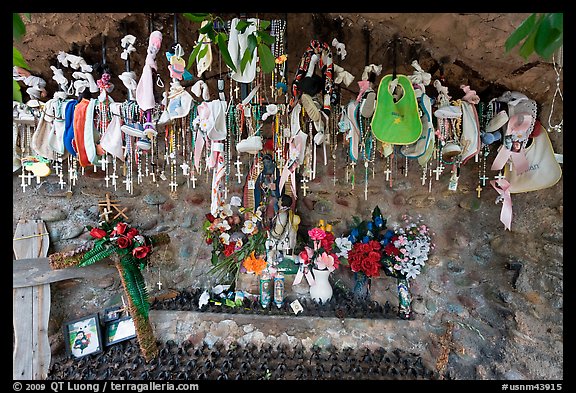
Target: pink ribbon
364, 85
218, 159
519, 160
502, 186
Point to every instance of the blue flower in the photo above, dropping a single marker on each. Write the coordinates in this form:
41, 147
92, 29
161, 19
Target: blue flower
366, 239
379, 221
352, 238
384, 241
389, 234
355, 232
369, 226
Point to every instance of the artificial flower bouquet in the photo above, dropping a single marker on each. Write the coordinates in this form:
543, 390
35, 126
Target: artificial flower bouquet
323, 250
406, 248
235, 234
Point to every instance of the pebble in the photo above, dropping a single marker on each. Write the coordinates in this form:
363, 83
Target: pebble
454, 267
323, 207
422, 200
210, 339
187, 220
51, 190
71, 231
431, 305
53, 214
399, 200
418, 306
154, 198
436, 287
106, 282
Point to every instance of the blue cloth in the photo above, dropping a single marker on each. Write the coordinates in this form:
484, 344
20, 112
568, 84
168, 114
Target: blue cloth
69, 127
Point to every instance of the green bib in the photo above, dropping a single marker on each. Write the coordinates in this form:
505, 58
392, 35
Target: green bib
396, 123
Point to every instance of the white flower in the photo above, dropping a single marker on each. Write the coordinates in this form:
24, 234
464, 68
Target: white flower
411, 271
235, 201
225, 238
248, 227
226, 211
257, 216
206, 124
223, 225
421, 259
344, 245
203, 299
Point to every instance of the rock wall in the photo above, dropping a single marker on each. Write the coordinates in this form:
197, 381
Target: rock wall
501, 290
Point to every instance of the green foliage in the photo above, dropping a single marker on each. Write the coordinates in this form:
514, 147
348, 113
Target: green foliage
99, 252
542, 34
18, 30
135, 284
259, 40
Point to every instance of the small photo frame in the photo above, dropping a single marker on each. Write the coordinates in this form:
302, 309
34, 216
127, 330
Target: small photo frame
82, 336
119, 330
112, 314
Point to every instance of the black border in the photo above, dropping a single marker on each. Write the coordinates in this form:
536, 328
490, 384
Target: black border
66, 333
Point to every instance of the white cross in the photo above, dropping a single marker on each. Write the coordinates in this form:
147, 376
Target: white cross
106, 213
424, 177
499, 176
114, 176
61, 182
387, 172
193, 178
104, 161
147, 171
239, 176
483, 178
304, 185
159, 283
236, 90
23, 185
128, 183
107, 180
57, 166
257, 165
29, 176
185, 168
139, 178
173, 185
438, 171
366, 191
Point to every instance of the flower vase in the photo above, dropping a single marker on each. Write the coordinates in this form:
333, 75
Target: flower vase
404, 298
321, 291
361, 286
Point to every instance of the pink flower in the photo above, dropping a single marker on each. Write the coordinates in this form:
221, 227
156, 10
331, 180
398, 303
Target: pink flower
316, 234
325, 261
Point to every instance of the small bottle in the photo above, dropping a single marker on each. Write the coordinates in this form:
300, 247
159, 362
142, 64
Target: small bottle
279, 289
265, 289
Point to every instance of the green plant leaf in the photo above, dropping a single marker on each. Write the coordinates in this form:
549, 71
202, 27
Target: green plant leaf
527, 47
249, 53
221, 39
265, 37
206, 28
16, 92
203, 51
521, 31
264, 24
99, 252
18, 59
557, 21
193, 55
546, 36
28, 15
196, 17
18, 27
266, 58
242, 25
135, 285
211, 34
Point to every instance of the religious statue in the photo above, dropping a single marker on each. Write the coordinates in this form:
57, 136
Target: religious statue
267, 190
284, 228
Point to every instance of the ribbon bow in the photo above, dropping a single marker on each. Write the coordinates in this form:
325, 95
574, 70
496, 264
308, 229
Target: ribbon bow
502, 186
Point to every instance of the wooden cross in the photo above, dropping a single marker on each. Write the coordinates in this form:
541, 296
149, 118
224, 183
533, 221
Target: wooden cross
107, 205
479, 190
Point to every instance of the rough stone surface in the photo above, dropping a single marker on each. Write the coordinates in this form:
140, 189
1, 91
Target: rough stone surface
508, 321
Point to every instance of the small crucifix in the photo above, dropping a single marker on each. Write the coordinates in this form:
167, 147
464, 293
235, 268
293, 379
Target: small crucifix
483, 178
193, 178
304, 186
239, 174
387, 172
173, 185
236, 90
23, 185
185, 168
479, 190
499, 176
438, 171
62, 183
103, 161
423, 177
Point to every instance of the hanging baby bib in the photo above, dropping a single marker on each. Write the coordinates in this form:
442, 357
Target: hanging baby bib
398, 122
543, 170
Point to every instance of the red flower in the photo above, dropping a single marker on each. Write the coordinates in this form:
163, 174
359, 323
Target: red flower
120, 228
229, 249
375, 245
131, 233
208, 240
304, 257
124, 242
97, 233
336, 260
390, 249
327, 242
141, 251
210, 217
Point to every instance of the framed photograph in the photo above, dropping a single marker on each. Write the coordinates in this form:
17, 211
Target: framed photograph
82, 336
112, 314
119, 330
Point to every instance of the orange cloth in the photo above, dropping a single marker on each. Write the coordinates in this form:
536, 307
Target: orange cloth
79, 124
